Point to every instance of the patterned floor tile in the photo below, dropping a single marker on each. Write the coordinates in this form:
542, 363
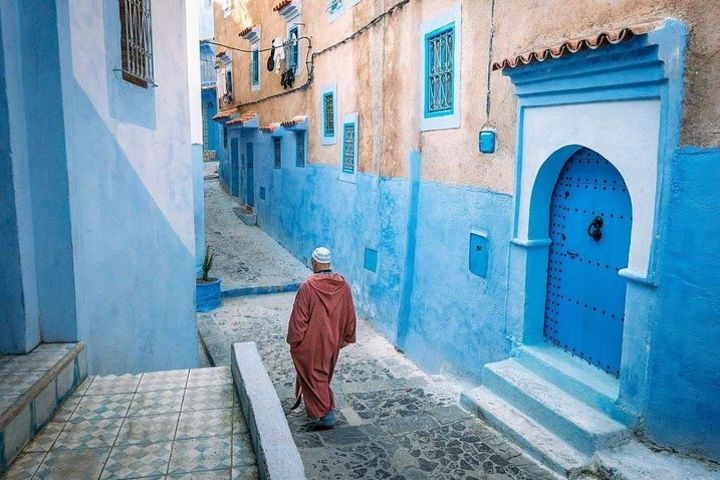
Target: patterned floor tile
245, 472
205, 423
111, 384
207, 475
24, 466
206, 398
45, 438
206, 377
155, 428
82, 464
242, 451
6, 401
156, 402
102, 406
66, 410
213, 453
167, 380
17, 383
88, 433
132, 461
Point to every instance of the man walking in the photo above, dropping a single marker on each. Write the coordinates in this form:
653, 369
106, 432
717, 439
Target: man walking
322, 322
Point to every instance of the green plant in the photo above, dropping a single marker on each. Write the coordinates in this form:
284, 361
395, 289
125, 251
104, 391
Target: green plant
207, 263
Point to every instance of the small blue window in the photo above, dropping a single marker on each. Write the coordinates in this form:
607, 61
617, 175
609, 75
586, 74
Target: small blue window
349, 154
277, 150
255, 68
294, 48
328, 114
334, 6
300, 149
440, 71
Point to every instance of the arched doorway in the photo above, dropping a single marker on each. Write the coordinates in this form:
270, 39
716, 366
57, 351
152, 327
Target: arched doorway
590, 225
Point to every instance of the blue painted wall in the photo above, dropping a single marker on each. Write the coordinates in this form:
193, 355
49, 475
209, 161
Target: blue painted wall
683, 408
210, 101
12, 311
48, 172
457, 330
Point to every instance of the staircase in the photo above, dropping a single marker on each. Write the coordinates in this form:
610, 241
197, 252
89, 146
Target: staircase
556, 407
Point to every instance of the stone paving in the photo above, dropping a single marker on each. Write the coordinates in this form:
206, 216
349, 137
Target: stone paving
396, 422
181, 424
244, 255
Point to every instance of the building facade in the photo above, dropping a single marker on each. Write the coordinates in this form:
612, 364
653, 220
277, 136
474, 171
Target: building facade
516, 193
96, 159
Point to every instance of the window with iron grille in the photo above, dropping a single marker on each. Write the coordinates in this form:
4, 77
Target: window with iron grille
255, 68
349, 153
278, 151
300, 149
329, 114
439, 81
294, 48
136, 42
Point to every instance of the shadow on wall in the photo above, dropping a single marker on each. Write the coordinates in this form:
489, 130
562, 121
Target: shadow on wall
135, 278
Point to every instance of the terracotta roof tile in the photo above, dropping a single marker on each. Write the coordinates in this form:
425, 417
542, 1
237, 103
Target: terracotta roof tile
246, 30
246, 117
224, 114
281, 5
569, 47
270, 128
294, 121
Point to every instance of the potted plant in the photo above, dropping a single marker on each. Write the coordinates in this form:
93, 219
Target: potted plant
207, 289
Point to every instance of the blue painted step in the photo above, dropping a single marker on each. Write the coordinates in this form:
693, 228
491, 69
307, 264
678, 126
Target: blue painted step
580, 425
580, 379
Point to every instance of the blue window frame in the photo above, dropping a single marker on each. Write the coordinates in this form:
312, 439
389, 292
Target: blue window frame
334, 6
277, 152
300, 149
440, 71
255, 68
349, 148
329, 114
294, 50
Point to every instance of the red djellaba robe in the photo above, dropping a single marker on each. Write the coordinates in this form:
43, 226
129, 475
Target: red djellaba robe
322, 322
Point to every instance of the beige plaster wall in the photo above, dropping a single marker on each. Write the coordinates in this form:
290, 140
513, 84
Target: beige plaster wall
377, 75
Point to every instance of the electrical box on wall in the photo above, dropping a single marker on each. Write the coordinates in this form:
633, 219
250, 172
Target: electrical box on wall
486, 140
479, 253
370, 262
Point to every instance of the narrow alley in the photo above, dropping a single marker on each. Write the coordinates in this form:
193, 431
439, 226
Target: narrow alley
395, 421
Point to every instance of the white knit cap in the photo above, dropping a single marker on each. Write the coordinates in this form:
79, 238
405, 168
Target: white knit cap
321, 255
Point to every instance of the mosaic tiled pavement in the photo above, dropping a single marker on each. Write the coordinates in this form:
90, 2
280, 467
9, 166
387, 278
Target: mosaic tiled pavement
395, 421
180, 424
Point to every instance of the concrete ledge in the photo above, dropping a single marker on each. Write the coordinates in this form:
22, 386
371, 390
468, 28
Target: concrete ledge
277, 455
238, 291
247, 218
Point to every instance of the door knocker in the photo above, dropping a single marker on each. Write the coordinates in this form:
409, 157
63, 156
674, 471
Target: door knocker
595, 228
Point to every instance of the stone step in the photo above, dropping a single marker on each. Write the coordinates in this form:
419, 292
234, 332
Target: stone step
32, 387
584, 427
577, 377
535, 440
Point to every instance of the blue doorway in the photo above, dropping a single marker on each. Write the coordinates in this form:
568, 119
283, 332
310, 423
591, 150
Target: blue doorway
590, 225
250, 190
234, 169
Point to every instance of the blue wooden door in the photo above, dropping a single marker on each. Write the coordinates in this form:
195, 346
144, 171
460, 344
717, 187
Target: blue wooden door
234, 168
590, 223
250, 190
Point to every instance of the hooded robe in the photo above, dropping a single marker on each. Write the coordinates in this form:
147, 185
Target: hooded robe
322, 322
